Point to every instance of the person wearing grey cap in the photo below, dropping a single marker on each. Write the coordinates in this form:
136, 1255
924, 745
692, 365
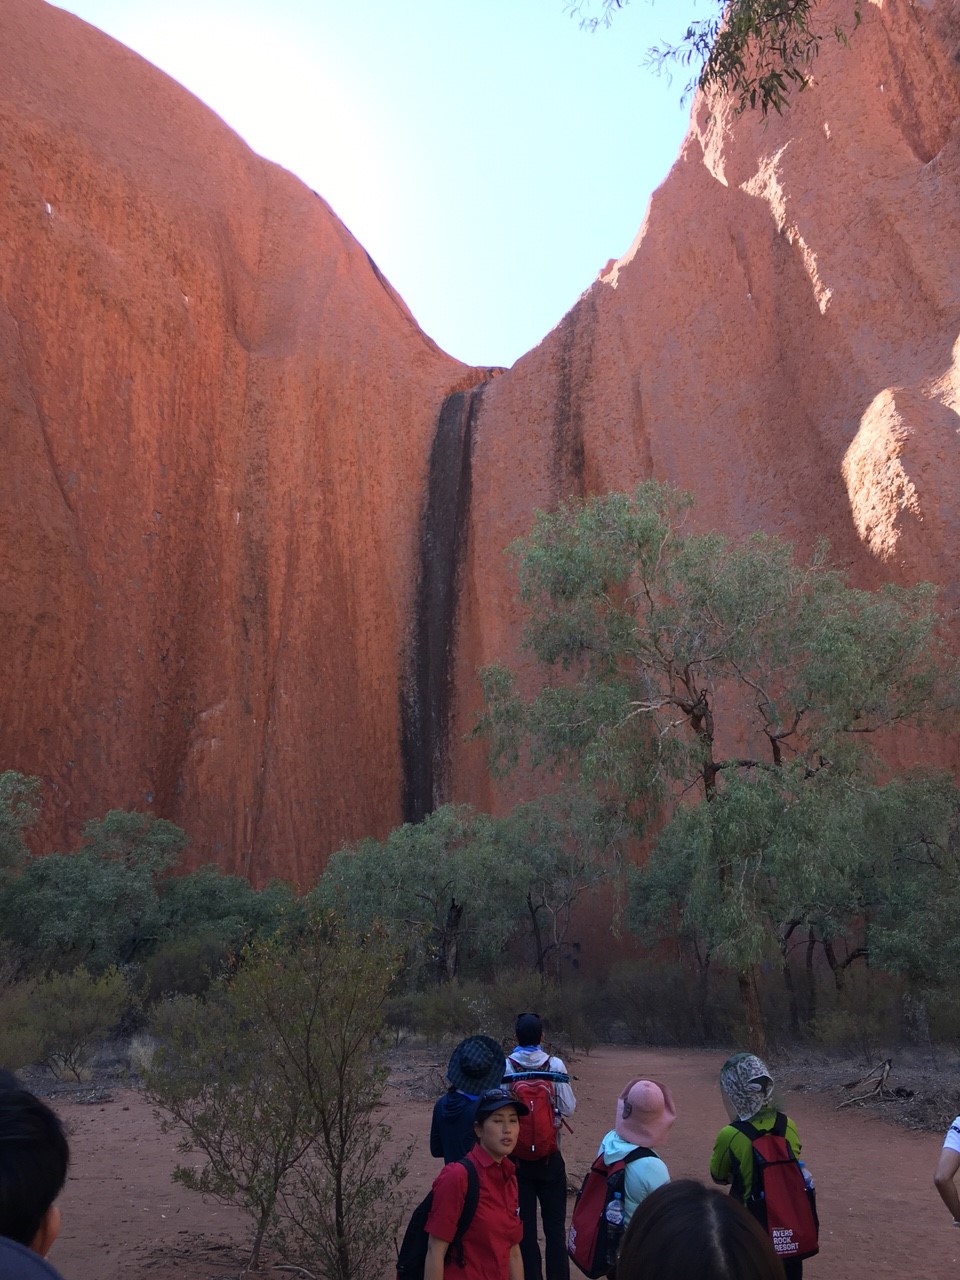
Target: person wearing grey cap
476, 1066
542, 1181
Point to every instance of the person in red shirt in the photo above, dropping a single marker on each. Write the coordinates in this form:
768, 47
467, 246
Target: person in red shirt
491, 1243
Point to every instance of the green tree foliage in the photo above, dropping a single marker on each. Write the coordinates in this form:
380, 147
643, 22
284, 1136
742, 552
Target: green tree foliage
275, 1077
73, 1013
759, 50
98, 907
206, 918
115, 902
455, 889
207, 901
19, 810
560, 848
135, 840
440, 887
683, 664
68, 909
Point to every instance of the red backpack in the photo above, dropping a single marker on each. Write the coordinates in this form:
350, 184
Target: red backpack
538, 1129
781, 1199
592, 1243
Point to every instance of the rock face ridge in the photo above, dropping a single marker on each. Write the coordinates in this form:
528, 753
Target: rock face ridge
252, 520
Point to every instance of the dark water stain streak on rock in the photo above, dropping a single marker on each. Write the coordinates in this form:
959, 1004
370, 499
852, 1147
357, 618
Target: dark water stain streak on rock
428, 698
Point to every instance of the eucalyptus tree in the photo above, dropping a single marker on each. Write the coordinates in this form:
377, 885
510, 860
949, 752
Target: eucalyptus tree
440, 886
760, 50
710, 687
19, 809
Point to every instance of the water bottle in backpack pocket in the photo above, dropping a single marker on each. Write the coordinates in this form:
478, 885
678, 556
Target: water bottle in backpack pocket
596, 1227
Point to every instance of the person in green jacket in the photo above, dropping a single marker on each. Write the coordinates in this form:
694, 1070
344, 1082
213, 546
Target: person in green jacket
747, 1090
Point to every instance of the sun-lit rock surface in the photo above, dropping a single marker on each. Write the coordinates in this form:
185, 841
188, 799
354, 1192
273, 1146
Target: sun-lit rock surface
223, 472
783, 338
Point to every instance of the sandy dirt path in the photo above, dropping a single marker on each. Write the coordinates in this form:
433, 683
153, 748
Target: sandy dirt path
880, 1215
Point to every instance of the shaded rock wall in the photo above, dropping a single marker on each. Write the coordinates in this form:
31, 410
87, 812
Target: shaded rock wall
252, 521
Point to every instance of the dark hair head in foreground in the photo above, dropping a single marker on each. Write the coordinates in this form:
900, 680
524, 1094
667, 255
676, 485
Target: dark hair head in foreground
686, 1231
33, 1161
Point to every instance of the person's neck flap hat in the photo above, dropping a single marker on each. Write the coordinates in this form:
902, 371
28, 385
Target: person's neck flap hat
746, 1084
476, 1065
645, 1112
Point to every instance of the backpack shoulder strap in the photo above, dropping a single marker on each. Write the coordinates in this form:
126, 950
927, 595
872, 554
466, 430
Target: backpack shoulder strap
748, 1130
779, 1129
469, 1205
639, 1153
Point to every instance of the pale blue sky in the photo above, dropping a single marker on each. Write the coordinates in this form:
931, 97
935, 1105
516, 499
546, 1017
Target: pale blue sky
489, 155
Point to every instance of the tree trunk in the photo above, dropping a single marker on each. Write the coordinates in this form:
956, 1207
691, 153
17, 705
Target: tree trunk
811, 979
785, 934
839, 968
753, 1013
703, 993
537, 937
449, 943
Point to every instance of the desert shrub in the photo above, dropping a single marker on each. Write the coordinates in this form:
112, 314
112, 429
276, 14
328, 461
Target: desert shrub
184, 965
577, 1014
865, 1018
652, 1001
276, 1076
72, 1014
944, 1008
19, 1031
514, 993
453, 1011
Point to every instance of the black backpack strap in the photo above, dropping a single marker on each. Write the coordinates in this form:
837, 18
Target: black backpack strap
779, 1129
639, 1153
749, 1131
469, 1208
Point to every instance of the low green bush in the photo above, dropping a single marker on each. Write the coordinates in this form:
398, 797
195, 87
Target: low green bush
72, 1014
865, 1017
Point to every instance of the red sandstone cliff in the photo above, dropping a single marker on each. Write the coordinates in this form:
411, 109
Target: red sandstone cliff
216, 424
243, 528
782, 339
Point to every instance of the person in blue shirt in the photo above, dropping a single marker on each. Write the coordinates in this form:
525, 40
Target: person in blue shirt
476, 1066
645, 1112
34, 1156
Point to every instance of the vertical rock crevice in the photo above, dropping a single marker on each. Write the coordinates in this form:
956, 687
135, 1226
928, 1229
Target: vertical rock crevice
427, 703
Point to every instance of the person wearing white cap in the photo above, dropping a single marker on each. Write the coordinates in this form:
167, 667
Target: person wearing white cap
645, 1112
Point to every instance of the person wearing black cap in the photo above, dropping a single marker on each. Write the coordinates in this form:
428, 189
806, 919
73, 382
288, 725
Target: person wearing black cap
489, 1248
542, 1181
476, 1065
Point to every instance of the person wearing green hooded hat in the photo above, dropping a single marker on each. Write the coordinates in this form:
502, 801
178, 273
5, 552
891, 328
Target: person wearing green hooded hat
746, 1087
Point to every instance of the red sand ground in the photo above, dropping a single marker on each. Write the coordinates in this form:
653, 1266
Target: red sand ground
879, 1211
